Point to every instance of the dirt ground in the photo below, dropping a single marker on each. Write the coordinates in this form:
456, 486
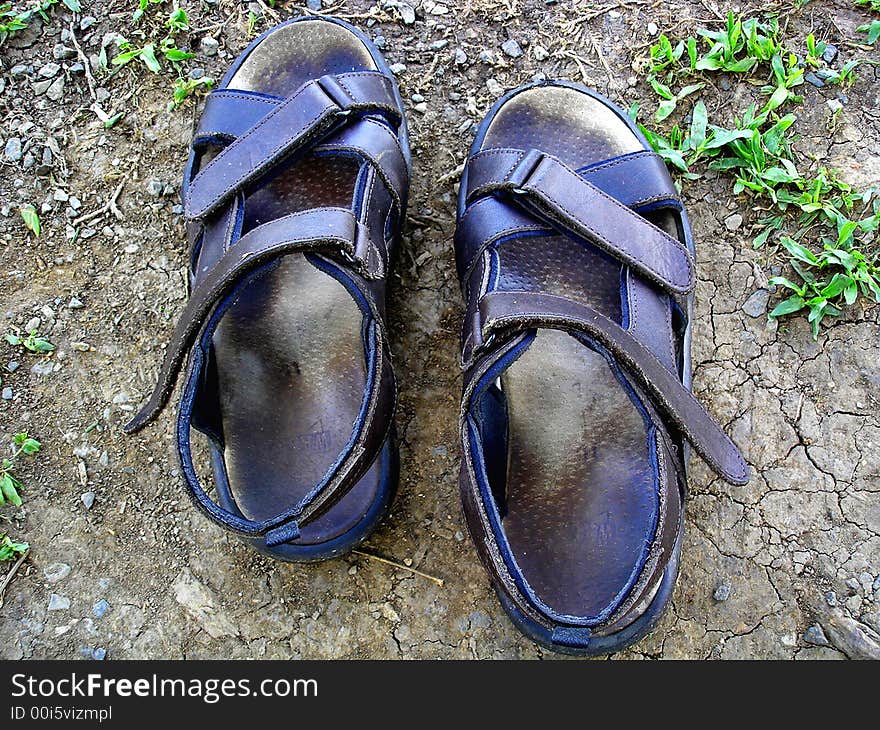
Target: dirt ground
786, 567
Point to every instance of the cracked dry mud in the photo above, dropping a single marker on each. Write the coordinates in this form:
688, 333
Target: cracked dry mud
759, 563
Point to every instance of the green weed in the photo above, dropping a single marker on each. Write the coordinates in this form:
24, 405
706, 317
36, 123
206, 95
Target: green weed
9, 485
12, 21
10, 549
31, 342
756, 152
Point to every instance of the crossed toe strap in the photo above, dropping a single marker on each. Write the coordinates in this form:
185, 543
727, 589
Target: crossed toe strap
251, 134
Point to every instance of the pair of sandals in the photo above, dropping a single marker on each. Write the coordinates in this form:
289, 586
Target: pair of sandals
577, 266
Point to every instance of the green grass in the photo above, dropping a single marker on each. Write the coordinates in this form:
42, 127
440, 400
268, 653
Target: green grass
12, 21
823, 227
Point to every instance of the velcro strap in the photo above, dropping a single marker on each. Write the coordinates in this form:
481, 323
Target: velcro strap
499, 311
549, 189
334, 229
316, 109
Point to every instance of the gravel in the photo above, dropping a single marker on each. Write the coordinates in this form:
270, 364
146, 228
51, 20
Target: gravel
722, 591
55, 572
756, 304
209, 46
815, 636
13, 149
511, 48
733, 222
58, 602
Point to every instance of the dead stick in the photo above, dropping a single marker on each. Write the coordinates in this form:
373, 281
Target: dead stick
108, 207
373, 556
11, 574
86, 64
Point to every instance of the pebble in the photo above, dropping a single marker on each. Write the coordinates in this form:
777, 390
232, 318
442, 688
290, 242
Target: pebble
460, 57
87, 22
494, 87
407, 13
55, 572
834, 105
421, 108
33, 324
80, 346
380, 42
830, 54
155, 187
439, 45
60, 196
511, 48
487, 57
20, 70
815, 636
733, 222
811, 78
397, 68
853, 585
540, 53
196, 73
209, 46
49, 71
417, 98
62, 53
756, 304
313, 5
88, 499
58, 602
12, 151
56, 90
100, 608
99, 654
6, 393
75, 303
831, 598
13, 365
722, 591
42, 368
652, 29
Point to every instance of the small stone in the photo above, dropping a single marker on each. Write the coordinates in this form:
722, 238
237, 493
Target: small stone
756, 304
353, 570
55, 572
397, 68
733, 222
42, 368
87, 22
62, 53
6, 393
56, 90
196, 73
49, 71
12, 151
99, 654
80, 346
830, 54
460, 57
421, 108
20, 70
417, 98
12, 366
652, 29
155, 187
380, 42
853, 585
487, 57
33, 324
495, 89
439, 45
208, 46
722, 591
313, 5
407, 13
58, 603
60, 196
88, 499
511, 48
834, 105
811, 78
540, 53
100, 608
75, 303
831, 598
815, 636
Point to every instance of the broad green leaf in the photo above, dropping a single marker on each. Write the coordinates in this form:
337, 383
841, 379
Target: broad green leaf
789, 306
31, 219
